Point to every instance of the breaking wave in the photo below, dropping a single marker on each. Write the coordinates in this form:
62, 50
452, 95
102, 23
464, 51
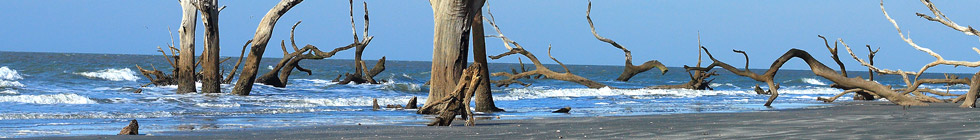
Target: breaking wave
7, 77
112, 74
9, 74
65, 98
813, 81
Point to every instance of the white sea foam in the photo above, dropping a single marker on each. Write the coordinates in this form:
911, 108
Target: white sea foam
10, 84
534, 93
45, 132
65, 98
218, 105
352, 101
112, 74
9, 74
813, 81
8, 92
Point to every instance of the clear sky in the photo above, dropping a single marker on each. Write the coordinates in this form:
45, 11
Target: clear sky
660, 30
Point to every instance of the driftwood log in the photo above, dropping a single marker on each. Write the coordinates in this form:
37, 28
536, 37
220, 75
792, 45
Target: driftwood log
458, 101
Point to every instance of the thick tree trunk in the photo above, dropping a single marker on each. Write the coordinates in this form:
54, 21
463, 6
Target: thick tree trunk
261, 39
211, 75
185, 62
484, 98
452, 20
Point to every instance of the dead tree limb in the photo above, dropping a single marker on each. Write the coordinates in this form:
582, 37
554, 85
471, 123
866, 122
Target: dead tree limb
833, 53
458, 101
942, 19
279, 75
239, 63
539, 68
361, 72
262, 35
629, 70
699, 79
820, 70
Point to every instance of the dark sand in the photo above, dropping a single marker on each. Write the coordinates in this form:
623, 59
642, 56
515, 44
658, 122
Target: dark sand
854, 120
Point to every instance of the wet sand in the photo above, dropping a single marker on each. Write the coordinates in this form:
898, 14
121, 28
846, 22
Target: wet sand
853, 120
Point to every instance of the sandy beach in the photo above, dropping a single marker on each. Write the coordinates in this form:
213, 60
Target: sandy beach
853, 120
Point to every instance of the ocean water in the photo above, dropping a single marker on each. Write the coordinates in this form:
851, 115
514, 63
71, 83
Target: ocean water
55, 94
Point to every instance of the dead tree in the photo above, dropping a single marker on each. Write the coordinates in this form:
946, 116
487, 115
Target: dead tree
458, 101
262, 35
629, 70
858, 94
361, 73
539, 68
185, 69
483, 95
970, 96
819, 69
278, 76
453, 19
699, 79
210, 71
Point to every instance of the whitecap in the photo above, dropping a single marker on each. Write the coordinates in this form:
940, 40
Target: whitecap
10, 84
218, 105
112, 74
9, 74
813, 81
8, 92
66, 98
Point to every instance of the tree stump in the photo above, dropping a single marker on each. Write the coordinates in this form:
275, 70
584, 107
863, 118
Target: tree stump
131, 129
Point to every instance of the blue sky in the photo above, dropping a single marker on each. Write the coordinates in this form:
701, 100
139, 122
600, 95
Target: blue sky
660, 30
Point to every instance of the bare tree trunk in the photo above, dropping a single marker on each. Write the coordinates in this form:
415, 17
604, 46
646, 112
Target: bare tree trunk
261, 39
185, 62
971, 95
484, 98
211, 79
452, 20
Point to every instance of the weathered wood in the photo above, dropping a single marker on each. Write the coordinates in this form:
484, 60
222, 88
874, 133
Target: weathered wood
457, 103
484, 97
185, 62
412, 103
539, 68
262, 35
452, 19
971, 95
629, 70
241, 56
132, 129
210, 70
563, 110
820, 70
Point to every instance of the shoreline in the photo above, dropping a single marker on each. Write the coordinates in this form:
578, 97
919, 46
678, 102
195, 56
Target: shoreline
848, 120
